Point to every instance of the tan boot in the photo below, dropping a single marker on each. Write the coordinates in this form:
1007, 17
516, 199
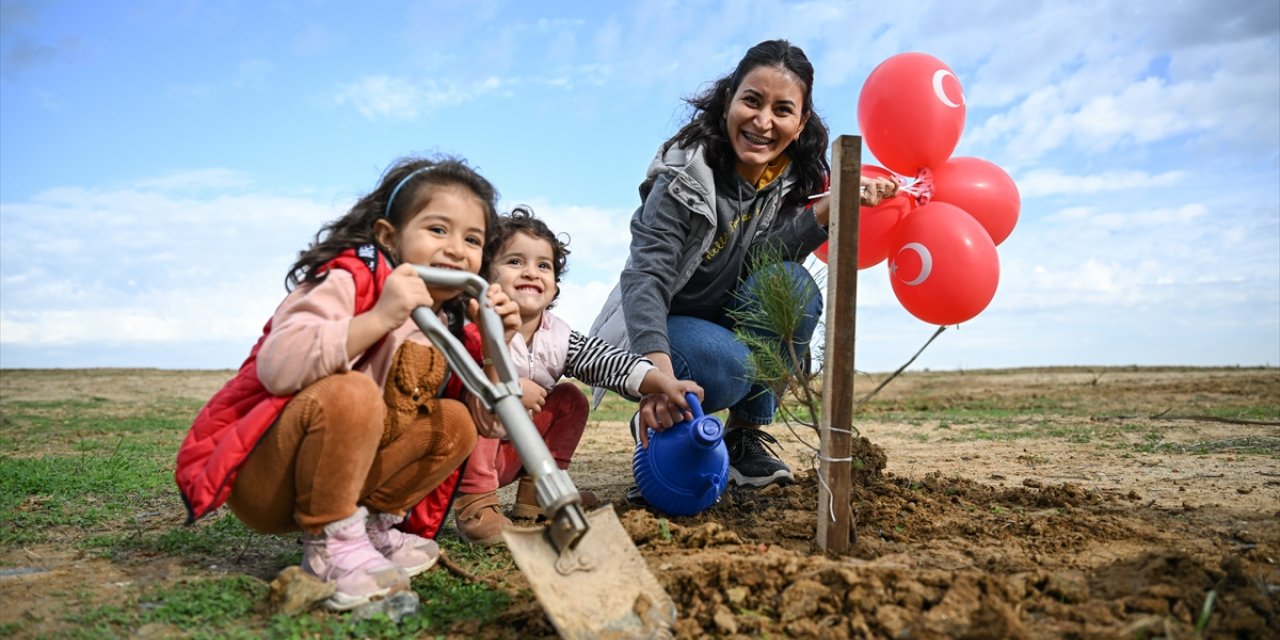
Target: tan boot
478, 519
526, 505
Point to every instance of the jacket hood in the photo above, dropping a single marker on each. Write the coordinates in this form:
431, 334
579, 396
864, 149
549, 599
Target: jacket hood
693, 169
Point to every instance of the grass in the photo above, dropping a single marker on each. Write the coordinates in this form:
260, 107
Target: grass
99, 473
93, 473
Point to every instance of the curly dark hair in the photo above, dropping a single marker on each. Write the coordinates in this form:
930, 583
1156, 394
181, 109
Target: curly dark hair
356, 227
522, 220
706, 126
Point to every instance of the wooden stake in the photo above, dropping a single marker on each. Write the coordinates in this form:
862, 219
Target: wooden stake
835, 467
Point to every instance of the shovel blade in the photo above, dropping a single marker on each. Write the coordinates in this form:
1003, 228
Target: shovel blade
608, 593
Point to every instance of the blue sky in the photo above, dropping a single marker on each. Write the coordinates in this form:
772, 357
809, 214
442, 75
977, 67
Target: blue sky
162, 163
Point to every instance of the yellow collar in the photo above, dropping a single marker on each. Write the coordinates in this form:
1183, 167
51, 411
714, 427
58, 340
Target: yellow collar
773, 170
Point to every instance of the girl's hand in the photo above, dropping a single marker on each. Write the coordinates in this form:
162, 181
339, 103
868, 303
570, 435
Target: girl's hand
402, 292
504, 306
658, 411
532, 395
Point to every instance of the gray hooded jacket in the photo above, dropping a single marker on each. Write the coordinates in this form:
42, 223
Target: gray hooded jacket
672, 231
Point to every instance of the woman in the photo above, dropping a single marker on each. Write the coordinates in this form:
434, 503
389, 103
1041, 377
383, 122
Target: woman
735, 179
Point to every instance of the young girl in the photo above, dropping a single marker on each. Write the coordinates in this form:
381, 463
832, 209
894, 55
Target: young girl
332, 425
527, 260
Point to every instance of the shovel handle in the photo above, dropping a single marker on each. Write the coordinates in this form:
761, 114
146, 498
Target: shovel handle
556, 493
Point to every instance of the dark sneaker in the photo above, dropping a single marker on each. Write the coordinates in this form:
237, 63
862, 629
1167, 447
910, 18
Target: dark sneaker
635, 497
752, 462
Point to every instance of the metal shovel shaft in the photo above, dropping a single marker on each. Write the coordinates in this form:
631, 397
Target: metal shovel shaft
593, 587
556, 493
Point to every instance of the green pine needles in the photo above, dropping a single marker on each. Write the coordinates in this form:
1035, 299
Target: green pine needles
768, 326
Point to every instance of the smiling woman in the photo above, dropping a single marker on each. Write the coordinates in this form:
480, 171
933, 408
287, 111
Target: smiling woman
734, 184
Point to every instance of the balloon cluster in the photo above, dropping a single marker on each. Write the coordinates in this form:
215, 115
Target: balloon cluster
939, 233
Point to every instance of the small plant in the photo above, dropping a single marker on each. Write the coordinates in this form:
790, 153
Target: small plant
769, 327
1206, 611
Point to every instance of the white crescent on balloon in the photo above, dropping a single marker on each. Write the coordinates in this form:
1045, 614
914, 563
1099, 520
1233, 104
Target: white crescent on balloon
926, 262
940, 92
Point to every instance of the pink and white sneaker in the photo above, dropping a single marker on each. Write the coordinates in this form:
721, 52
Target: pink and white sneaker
410, 552
344, 555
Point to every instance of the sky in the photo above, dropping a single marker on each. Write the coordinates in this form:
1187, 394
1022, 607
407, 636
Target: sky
162, 163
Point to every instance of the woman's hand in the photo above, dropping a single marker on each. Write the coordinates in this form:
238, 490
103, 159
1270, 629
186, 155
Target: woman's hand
873, 191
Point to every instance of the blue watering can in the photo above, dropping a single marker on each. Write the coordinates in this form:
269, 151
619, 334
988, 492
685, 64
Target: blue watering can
686, 467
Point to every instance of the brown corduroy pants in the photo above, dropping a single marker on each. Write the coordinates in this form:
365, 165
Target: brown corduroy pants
323, 458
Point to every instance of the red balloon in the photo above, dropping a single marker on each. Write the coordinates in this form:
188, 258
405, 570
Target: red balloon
982, 189
875, 224
911, 112
943, 264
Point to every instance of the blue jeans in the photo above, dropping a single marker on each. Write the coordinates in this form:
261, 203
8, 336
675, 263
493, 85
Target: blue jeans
708, 353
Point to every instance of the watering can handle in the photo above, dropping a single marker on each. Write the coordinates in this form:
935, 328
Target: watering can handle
694, 404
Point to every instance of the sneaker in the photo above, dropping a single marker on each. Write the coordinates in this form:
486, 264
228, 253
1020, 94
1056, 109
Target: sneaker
478, 519
343, 555
634, 496
410, 552
752, 462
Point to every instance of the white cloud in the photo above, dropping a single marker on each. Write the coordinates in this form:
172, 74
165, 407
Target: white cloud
382, 97
196, 180
148, 263
1051, 182
599, 239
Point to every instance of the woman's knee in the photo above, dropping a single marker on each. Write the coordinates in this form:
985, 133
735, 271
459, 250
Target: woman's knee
701, 347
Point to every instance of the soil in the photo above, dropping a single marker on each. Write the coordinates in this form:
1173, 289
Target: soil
1135, 512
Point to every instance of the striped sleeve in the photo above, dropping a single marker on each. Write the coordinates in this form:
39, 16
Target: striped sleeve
600, 364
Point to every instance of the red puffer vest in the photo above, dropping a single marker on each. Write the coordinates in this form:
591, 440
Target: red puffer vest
235, 418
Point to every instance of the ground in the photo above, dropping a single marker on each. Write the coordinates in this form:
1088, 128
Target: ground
1025, 503
1021, 522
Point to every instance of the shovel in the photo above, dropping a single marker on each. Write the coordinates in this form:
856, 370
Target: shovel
584, 568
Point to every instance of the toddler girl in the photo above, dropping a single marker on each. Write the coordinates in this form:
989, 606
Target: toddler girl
527, 260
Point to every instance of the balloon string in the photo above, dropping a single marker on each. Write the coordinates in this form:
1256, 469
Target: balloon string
921, 188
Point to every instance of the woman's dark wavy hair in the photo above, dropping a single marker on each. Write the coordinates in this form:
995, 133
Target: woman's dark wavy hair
706, 126
356, 227
522, 220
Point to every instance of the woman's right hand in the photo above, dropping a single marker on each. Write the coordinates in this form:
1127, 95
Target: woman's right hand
874, 190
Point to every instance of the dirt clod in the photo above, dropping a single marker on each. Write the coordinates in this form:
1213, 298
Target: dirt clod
295, 591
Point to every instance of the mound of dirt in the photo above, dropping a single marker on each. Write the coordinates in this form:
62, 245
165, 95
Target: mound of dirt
946, 557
